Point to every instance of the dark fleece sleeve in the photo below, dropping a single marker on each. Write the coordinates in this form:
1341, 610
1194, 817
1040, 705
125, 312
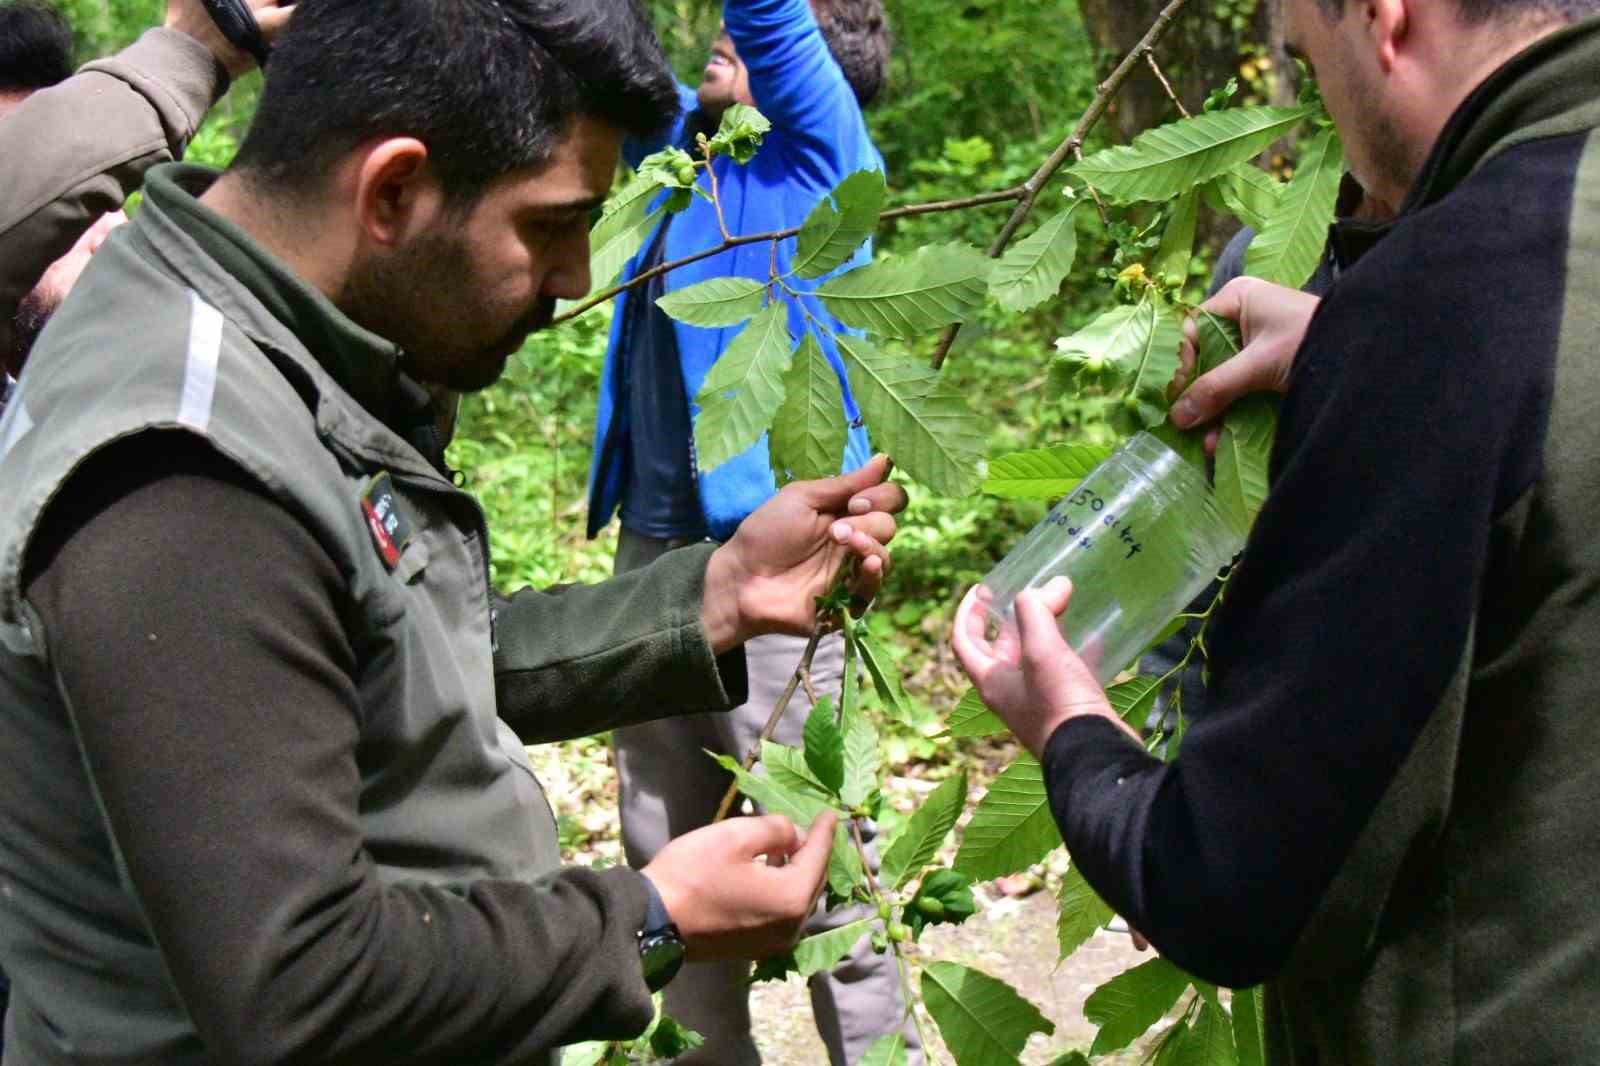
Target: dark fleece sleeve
1416, 417
195, 629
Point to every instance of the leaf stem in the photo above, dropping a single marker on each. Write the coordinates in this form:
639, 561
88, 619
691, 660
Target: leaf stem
1067, 149
771, 728
716, 195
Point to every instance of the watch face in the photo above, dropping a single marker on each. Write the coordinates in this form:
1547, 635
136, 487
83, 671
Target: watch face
660, 957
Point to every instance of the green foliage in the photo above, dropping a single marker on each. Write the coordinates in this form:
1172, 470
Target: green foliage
1247, 192
1172, 159
1290, 244
739, 134
1134, 347
1133, 699
1033, 270
1080, 912
972, 719
907, 296
943, 898
744, 388
1177, 239
823, 951
886, 1051
839, 225
1249, 1032
1012, 827
715, 302
625, 223
1207, 1041
1132, 1002
983, 1020
1043, 473
1243, 456
824, 751
919, 840
809, 432
930, 430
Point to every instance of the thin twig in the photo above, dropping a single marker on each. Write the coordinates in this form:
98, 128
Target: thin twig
811, 690
771, 728
716, 197
1155, 68
1034, 185
909, 211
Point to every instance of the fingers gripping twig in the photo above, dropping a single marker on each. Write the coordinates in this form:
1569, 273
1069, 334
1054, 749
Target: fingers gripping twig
1034, 185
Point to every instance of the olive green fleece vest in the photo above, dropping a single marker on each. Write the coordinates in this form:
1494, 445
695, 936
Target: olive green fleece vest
451, 798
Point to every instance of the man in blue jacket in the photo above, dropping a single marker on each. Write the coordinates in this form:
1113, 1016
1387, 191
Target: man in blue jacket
810, 68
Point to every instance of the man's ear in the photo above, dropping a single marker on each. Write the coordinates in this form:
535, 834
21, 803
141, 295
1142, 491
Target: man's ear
397, 193
1389, 25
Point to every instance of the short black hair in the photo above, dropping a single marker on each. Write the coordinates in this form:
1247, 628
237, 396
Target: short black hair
35, 46
857, 32
490, 86
1477, 12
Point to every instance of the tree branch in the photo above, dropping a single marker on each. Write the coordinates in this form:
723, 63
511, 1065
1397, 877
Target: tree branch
998, 196
1155, 68
1068, 148
801, 673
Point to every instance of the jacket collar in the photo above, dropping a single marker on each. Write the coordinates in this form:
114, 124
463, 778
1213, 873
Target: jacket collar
1549, 89
280, 310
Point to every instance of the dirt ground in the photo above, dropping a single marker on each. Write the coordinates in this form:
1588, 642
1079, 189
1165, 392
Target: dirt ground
1012, 939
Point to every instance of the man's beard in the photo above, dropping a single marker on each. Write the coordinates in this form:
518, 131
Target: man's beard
33, 312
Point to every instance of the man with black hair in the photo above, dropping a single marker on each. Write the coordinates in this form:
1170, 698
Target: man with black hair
1387, 810
810, 68
266, 797
72, 148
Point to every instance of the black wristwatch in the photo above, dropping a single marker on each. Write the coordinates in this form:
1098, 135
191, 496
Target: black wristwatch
660, 945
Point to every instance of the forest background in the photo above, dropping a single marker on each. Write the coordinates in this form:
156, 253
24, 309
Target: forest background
982, 91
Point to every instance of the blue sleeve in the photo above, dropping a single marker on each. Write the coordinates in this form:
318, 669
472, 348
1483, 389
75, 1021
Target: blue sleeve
794, 78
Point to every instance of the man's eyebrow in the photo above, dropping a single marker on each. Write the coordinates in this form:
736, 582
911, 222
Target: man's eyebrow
568, 207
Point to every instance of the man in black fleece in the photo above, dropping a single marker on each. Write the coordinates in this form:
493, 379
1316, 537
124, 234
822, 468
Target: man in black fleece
1387, 810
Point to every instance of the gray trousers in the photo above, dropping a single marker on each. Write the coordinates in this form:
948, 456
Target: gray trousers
671, 787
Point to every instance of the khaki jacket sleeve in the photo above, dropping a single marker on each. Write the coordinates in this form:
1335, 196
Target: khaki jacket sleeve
582, 659
73, 152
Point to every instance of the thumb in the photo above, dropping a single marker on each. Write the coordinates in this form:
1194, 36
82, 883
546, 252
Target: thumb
1047, 657
812, 858
1214, 393
832, 495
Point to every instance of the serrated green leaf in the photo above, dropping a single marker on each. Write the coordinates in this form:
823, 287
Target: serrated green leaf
1012, 828
622, 231
920, 838
744, 388
907, 296
1189, 444
972, 719
809, 431
1248, 193
1043, 473
740, 133
885, 676
1290, 245
831, 233
862, 760
672, 168
787, 768
845, 871
1171, 159
670, 1039
1218, 340
1244, 455
943, 897
1128, 1004
1138, 346
1249, 1032
823, 951
1177, 240
716, 302
886, 1051
1133, 699
825, 745
771, 968
1208, 1042
929, 429
1080, 913
1033, 270
983, 1020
